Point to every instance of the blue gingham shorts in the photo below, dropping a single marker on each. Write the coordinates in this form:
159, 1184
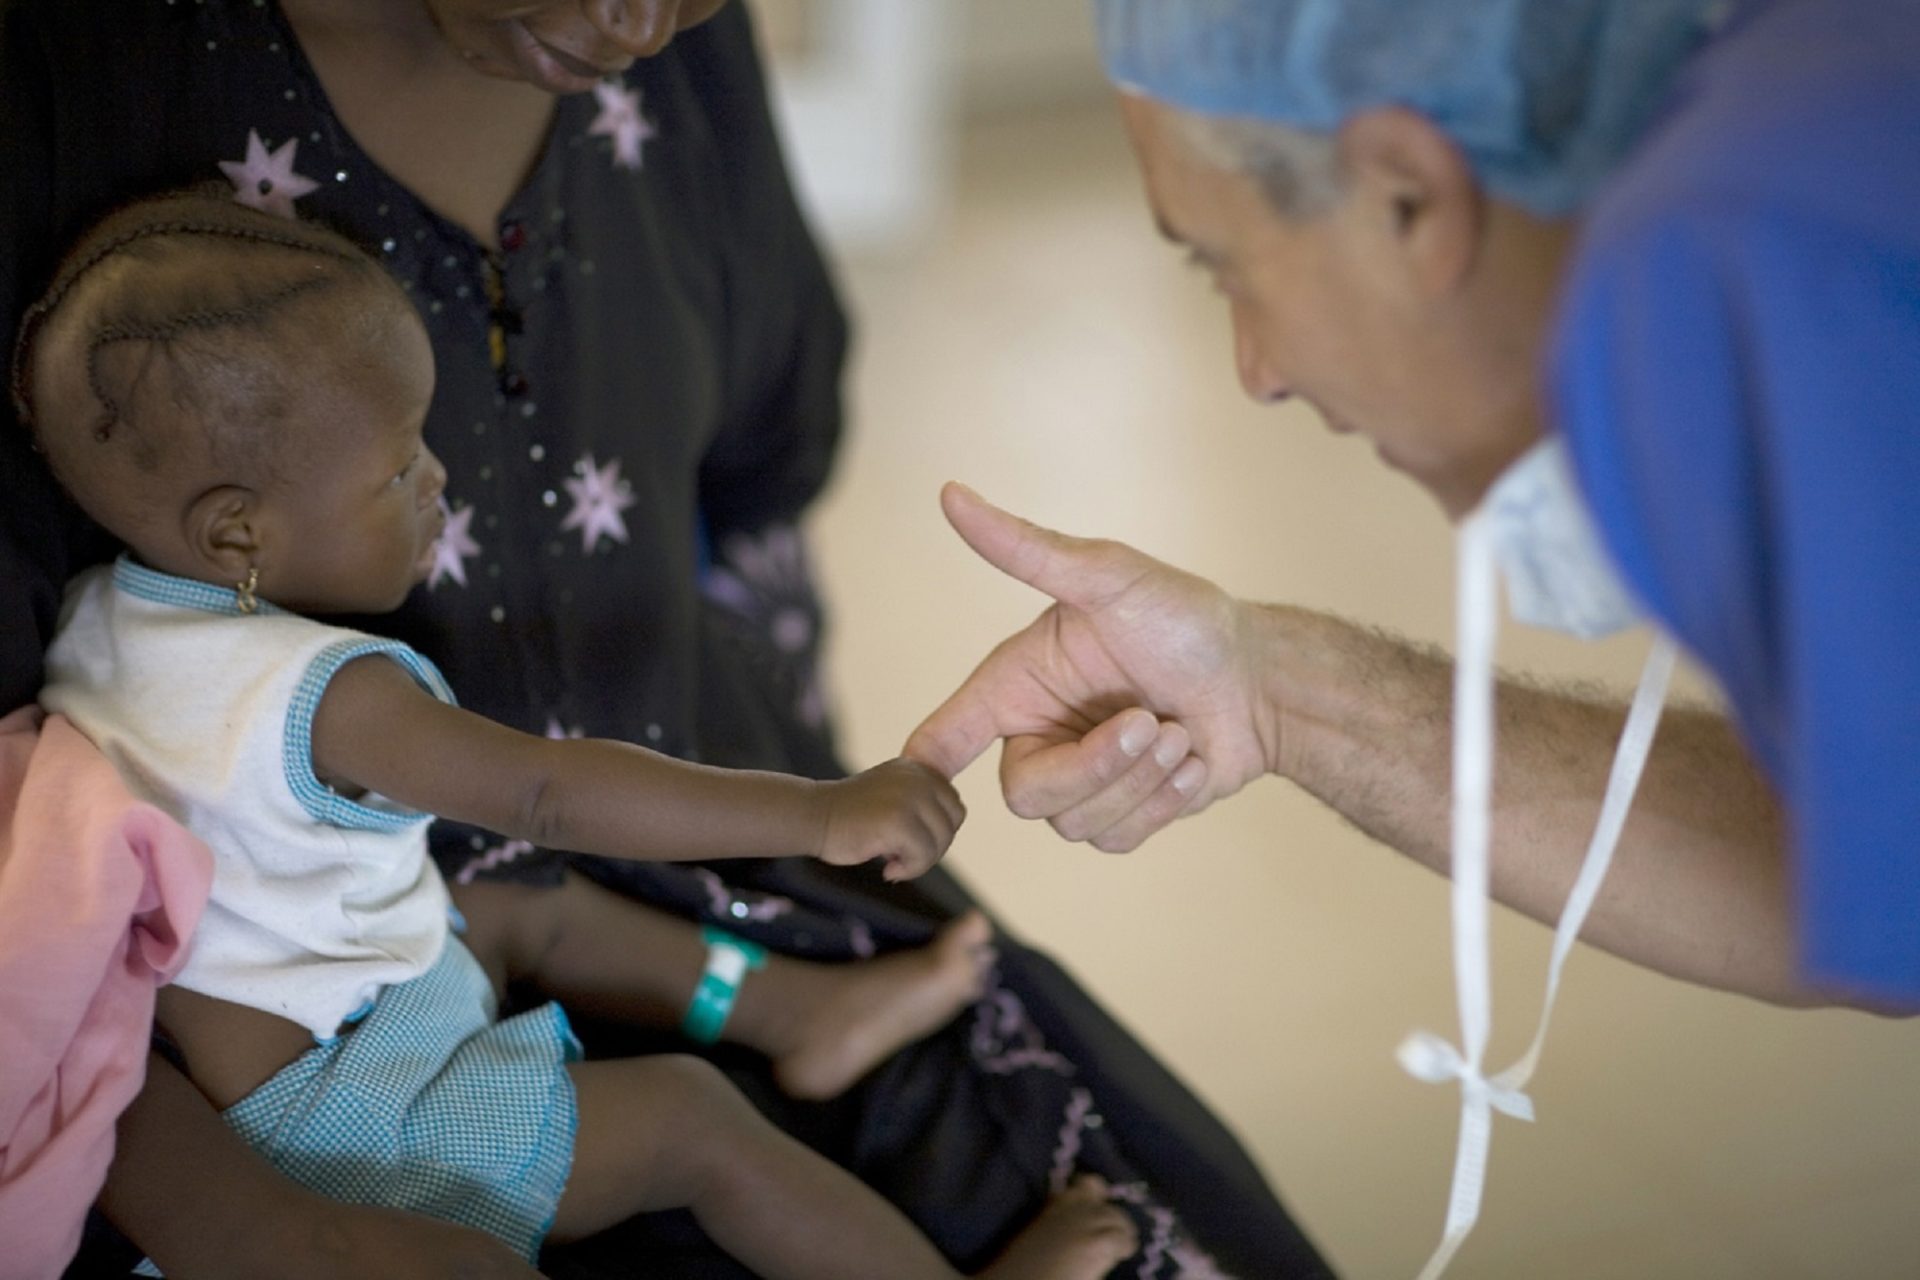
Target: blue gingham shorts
428, 1104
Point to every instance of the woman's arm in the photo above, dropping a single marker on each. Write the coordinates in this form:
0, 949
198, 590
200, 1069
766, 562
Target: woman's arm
377, 729
204, 1205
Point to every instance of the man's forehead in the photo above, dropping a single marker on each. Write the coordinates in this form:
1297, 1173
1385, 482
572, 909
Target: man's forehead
1166, 166
1187, 197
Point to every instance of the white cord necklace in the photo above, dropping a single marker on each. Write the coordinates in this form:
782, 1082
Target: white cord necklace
1424, 1054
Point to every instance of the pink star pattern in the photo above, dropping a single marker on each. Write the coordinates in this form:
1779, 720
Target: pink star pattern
455, 545
620, 119
498, 856
266, 181
599, 496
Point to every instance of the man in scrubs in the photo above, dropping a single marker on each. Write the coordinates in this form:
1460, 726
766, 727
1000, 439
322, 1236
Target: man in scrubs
1674, 242
1632, 288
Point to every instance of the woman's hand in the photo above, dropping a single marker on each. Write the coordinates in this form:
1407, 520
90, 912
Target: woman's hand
900, 812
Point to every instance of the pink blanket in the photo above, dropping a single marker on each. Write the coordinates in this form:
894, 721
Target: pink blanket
98, 896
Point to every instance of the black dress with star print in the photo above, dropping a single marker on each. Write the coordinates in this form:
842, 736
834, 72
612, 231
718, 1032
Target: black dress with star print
637, 396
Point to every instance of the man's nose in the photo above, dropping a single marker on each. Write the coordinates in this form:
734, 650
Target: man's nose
1257, 376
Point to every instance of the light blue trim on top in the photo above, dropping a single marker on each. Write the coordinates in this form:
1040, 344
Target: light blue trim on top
185, 593
322, 803
357, 1016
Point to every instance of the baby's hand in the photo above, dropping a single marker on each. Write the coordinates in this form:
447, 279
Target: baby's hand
900, 811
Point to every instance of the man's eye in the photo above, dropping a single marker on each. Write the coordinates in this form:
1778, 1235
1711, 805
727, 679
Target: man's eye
1209, 266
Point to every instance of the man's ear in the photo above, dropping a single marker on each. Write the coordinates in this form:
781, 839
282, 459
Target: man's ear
224, 532
1417, 193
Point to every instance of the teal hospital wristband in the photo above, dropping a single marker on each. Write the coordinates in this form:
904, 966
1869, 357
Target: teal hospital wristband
729, 960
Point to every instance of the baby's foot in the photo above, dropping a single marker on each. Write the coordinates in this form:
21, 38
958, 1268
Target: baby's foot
1079, 1236
861, 1013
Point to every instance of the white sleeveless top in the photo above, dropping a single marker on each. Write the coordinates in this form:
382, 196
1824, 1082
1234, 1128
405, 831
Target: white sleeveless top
318, 901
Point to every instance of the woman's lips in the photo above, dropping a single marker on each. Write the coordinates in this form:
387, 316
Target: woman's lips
553, 69
581, 67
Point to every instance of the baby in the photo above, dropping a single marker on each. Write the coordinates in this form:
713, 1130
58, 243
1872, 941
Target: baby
240, 400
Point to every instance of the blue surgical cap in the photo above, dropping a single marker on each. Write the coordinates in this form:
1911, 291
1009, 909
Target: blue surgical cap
1544, 97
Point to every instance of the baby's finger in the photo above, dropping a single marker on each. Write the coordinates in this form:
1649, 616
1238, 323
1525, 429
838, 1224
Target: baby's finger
1044, 777
917, 848
952, 806
1178, 796
906, 865
1124, 794
944, 823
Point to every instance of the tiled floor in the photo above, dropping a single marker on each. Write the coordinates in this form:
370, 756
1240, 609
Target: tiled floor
1046, 348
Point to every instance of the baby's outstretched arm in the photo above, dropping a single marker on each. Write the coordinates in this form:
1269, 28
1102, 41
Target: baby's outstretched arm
376, 730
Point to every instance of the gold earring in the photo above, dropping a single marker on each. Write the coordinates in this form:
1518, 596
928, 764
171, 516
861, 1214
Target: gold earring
243, 592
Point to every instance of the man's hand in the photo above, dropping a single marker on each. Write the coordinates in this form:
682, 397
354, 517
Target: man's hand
1131, 700
900, 812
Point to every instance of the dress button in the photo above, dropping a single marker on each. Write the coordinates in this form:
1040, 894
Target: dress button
513, 236
515, 383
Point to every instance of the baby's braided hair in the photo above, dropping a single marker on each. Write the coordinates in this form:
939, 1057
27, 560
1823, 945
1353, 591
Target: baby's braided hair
165, 222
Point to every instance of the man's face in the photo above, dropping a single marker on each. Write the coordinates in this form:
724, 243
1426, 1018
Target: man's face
1340, 309
563, 46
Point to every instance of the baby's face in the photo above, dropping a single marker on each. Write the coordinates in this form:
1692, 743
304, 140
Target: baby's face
356, 517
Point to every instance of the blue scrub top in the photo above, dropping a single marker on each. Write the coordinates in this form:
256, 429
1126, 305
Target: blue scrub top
1737, 370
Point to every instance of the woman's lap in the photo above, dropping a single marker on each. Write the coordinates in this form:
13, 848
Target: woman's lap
969, 1130
965, 1131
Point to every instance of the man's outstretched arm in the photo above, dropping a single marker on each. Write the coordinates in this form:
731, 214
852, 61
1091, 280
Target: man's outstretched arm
1134, 649
1699, 887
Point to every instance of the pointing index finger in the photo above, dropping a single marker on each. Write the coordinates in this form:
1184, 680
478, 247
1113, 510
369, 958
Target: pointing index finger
955, 734
1045, 559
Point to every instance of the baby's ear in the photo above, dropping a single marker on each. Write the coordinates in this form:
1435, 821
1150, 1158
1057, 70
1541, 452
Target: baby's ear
225, 533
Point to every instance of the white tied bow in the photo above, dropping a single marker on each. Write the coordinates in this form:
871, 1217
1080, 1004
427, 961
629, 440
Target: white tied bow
1427, 1056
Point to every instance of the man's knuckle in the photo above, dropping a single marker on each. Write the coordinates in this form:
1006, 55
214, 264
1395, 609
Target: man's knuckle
1026, 800
1071, 826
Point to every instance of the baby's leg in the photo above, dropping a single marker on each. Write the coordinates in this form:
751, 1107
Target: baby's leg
670, 1132
824, 1025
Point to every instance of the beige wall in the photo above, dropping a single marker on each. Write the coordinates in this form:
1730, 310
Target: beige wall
1026, 53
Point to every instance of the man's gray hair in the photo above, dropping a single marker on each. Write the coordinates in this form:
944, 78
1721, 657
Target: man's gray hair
1297, 170
1545, 98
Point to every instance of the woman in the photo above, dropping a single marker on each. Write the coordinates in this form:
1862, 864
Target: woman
639, 352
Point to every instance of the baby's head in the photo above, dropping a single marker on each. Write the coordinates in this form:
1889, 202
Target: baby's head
239, 398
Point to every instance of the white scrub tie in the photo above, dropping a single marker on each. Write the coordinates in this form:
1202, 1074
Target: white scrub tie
1427, 1056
